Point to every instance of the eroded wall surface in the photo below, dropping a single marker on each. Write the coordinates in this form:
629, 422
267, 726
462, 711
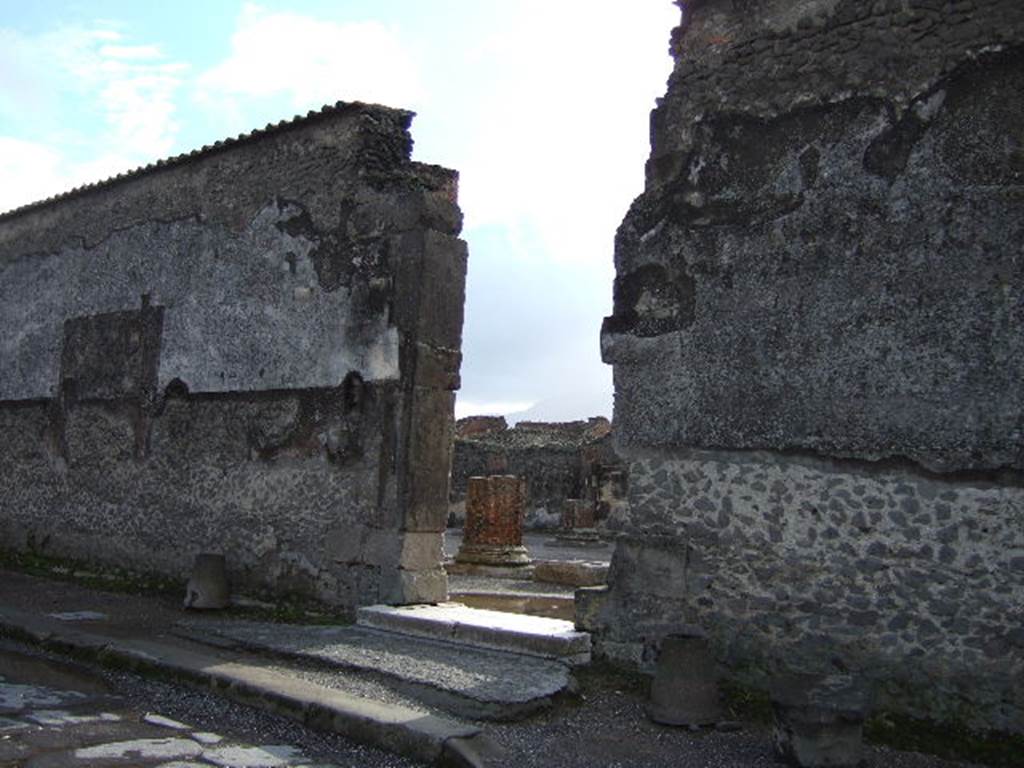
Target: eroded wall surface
252, 349
817, 343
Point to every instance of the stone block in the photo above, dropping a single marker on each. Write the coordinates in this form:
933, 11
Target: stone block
590, 604
401, 587
685, 686
819, 720
453, 622
427, 463
574, 573
628, 655
429, 258
421, 551
437, 368
444, 264
208, 586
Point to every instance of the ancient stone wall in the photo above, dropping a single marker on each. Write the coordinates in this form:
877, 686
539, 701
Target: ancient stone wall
557, 460
251, 349
818, 339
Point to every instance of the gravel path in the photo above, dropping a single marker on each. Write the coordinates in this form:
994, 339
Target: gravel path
607, 727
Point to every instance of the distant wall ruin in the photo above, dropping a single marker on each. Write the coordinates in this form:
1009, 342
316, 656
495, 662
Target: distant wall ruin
252, 350
557, 460
818, 344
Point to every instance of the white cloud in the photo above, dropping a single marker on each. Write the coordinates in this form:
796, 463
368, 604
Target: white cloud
130, 51
310, 62
553, 154
36, 167
562, 135
122, 96
136, 88
139, 105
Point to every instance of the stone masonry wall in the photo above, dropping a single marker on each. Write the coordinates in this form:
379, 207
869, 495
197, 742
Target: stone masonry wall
818, 339
252, 349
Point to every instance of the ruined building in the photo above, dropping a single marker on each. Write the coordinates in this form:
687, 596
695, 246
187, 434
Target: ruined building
251, 349
818, 347
557, 461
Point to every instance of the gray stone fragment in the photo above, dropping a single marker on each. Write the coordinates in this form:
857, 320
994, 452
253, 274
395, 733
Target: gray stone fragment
819, 720
208, 587
206, 737
80, 616
273, 756
164, 722
141, 749
58, 718
685, 689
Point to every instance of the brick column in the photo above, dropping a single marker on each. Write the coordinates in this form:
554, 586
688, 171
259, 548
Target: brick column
578, 525
493, 534
577, 513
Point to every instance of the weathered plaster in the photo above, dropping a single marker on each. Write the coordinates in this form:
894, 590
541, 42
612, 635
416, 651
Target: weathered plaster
251, 349
817, 340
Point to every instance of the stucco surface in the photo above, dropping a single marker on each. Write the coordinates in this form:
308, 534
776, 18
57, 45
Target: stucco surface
817, 339
251, 349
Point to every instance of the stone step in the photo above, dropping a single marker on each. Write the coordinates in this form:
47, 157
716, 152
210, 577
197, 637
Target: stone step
460, 624
575, 573
473, 683
552, 607
554, 601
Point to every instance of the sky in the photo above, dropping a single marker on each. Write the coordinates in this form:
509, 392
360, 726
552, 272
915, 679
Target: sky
541, 105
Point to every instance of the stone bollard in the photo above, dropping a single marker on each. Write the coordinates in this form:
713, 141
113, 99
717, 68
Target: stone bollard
208, 587
819, 720
685, 687
493, 533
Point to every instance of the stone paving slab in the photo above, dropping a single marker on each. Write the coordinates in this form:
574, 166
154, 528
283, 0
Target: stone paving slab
457, 623
398, 729
469, 682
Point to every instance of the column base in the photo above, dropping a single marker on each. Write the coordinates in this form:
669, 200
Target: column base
493, 554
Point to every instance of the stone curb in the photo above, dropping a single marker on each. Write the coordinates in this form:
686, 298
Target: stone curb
456, 623
431, 739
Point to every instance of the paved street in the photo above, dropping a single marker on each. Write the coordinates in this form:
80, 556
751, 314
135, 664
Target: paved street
56, 714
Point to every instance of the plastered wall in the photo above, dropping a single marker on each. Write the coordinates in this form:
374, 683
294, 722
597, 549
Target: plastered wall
252, 349
817, 347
